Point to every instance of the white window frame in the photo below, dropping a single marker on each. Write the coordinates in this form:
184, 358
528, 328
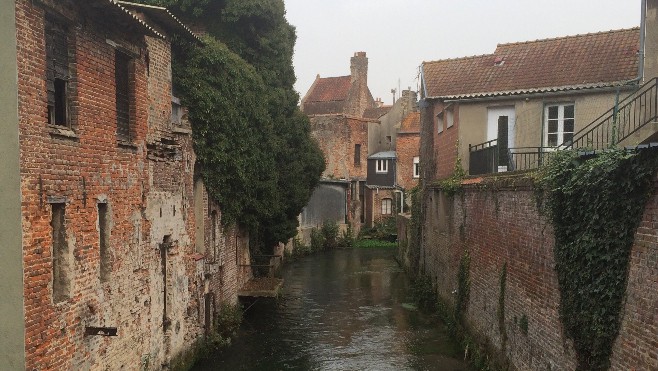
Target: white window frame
416, 167
381, 166
439, 122
560, 123
387, 206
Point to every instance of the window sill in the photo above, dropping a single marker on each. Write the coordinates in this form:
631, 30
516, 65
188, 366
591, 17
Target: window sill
126, 144
63, 132
179, 130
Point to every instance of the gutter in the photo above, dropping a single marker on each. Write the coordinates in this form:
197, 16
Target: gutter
623, 85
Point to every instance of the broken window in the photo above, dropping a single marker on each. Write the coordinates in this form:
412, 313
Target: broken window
104, 241
57, 71
60, 254
122, 85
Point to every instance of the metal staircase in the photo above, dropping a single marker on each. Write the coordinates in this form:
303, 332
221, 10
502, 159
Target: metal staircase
629, 119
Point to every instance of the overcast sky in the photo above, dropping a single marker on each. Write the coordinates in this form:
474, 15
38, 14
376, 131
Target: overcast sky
399, 34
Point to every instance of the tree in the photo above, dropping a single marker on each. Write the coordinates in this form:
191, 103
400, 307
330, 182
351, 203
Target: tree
258, 158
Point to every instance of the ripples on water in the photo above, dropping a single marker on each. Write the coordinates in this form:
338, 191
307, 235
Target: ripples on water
340, 310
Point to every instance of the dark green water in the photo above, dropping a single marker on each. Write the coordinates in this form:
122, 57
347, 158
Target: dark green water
340, 310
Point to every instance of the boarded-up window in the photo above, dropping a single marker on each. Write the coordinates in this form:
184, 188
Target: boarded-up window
122, 82
104, 241
57, 71
61, 265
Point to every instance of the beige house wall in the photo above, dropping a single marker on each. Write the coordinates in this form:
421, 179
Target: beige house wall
12, 325
529, 126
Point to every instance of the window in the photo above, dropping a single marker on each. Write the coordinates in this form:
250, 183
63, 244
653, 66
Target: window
416, 167
357, 154
387, 205
450, 119
560, 121
61, 266
439, 122
104, 241
57, 72
382, 166
122, 81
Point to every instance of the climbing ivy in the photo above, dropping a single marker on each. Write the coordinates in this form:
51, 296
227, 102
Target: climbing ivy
253, 145
595, 205
453, 184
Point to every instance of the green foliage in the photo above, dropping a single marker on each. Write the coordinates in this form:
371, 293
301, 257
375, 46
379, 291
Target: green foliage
346, 238
253, 144
317, 240
330, 234
367, 243
386, 229
453, 184
226, 324
595, 205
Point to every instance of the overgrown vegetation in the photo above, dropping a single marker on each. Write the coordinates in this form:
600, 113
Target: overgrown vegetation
453, 184
595, 205
225, 326
253, 145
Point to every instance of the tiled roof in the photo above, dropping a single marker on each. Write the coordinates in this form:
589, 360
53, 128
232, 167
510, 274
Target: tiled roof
376, 112
564, 63
411, 123
330, 89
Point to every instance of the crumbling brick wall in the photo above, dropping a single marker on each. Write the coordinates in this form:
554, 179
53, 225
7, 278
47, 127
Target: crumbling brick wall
337, 136
149, 281
503, 226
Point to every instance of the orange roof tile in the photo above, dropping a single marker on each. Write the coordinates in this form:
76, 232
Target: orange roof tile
376, 112
571, 62
330, 89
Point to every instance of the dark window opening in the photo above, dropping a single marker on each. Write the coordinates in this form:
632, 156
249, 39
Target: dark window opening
104, 242
61, 266
57, 72
122, 82
357, 154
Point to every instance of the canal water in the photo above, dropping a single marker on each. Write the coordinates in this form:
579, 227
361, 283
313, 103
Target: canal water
340, 310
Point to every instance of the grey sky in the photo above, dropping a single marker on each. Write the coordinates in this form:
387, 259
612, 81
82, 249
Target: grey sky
399, 34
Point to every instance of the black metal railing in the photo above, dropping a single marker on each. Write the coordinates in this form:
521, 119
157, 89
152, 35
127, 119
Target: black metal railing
620, 122
483, 158
527, 158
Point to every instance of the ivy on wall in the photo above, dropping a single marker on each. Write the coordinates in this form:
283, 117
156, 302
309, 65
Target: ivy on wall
595, 205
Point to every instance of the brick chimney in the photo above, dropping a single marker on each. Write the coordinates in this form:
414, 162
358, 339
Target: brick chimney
359, 68
359, 96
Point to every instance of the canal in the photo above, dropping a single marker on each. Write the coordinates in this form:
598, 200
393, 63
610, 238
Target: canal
340, 310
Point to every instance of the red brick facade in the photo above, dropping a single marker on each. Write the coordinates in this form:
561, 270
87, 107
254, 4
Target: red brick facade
143, 186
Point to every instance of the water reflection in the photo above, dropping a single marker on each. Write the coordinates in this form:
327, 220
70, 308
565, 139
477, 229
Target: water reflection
340, 310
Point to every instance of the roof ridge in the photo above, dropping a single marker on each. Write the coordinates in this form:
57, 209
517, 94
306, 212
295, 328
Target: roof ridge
460, 58
568, 36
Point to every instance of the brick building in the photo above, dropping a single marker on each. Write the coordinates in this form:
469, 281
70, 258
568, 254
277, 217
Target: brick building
117, 234
351, 128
